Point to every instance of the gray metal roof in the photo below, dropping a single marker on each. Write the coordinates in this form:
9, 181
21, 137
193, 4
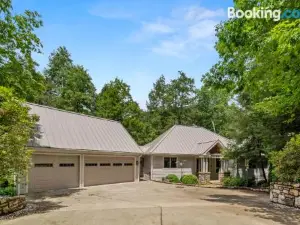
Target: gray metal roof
67, 130
185, 140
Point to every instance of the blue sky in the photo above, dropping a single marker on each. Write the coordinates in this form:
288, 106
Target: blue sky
135, 40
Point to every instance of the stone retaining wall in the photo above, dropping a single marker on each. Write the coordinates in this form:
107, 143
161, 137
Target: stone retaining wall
11, 204
285, 193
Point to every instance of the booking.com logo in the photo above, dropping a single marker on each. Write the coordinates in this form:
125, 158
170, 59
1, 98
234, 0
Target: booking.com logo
261, 13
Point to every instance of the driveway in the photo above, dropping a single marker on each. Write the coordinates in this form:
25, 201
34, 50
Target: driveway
156, 203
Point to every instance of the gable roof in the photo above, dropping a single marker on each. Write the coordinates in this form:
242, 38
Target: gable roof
68, 130
185, 140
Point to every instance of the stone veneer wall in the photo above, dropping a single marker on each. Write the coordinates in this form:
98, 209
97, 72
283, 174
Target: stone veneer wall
11, 204
204, 177
285, 193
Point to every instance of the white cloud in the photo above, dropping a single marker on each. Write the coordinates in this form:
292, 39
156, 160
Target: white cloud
199, 13
157, 27
186, 32
110, 11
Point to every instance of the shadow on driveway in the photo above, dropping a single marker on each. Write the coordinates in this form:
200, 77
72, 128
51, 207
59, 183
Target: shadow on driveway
53, 194
260, 208
39, 203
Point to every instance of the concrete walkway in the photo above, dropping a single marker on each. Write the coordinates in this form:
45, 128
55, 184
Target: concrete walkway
155, 203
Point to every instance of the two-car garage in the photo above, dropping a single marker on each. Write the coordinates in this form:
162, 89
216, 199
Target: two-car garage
51, 172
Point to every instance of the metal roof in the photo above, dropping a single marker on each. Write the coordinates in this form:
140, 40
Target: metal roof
185, 140
68, 130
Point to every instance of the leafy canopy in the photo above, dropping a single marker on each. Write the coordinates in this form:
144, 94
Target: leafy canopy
17, 43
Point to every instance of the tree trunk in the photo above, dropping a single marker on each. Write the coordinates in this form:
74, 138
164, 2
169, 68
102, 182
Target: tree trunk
262, 167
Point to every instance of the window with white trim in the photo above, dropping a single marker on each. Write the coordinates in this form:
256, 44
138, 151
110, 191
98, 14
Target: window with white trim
170, 162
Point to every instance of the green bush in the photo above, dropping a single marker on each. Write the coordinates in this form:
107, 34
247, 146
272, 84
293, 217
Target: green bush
286, 163
173, 178
234, 182
8, 191
189, 179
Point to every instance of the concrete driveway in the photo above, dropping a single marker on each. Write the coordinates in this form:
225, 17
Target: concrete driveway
156, 203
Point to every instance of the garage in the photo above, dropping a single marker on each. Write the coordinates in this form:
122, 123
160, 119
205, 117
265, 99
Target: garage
50, 172
108, 170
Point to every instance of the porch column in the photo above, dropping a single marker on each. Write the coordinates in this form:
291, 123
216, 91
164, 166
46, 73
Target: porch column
206, 164
204, 175
222, 169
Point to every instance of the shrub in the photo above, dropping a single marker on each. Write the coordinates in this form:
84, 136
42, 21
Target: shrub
286, 163
189, 179
227, 174
172, 178
8, 191
234, 182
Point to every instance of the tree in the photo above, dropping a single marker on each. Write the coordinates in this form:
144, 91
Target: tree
16, 128
160, 115
212, 109
258, 65
69, 86
18, 42
287, 162
171, 103
182, 95
115, 102
56, 74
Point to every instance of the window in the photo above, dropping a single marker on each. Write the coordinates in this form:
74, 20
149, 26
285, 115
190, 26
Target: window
170, 162
127, 164
91, 164
117, 164
43, 165
66, 164
104, 164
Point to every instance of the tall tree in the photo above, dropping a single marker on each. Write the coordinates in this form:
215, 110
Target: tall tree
69, 86
18, 42
160, 115
115, 102
56, 74
171, 103
182, 94
212, 109
78, 93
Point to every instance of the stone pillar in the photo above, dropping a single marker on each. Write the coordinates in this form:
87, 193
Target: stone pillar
204, 175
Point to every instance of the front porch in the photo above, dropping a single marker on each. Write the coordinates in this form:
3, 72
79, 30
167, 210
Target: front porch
210, 165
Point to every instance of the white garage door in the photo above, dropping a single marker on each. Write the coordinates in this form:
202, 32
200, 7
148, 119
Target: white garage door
108, 170
50, 172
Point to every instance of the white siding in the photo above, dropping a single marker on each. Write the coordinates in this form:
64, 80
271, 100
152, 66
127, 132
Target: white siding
147, 165
240, 171
159, 171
